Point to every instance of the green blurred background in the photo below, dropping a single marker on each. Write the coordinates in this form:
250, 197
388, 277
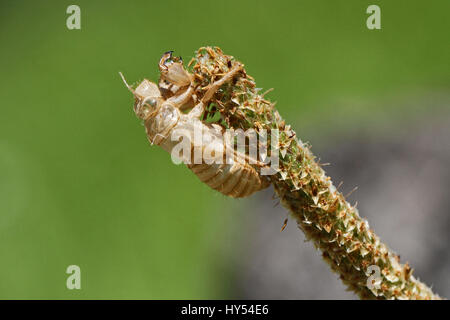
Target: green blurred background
79, 183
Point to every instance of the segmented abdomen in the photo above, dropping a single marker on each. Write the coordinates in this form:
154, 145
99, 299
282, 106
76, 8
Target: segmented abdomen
236, 180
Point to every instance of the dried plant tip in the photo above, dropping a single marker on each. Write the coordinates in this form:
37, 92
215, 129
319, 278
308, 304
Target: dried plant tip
284, 225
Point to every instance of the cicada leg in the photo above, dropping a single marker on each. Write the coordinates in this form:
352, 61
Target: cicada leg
172, 71
198, 110
217, 84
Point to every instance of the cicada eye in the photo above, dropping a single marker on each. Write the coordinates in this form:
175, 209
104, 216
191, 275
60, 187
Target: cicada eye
151, 101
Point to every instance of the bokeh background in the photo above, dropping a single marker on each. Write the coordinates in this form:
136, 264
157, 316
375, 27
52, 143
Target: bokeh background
79, 183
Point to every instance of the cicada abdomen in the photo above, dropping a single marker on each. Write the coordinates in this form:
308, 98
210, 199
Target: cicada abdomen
212, 159
236, 180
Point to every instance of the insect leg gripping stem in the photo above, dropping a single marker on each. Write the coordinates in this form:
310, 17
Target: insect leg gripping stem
216, 85
198, 110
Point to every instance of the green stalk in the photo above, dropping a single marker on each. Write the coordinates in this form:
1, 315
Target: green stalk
321, 211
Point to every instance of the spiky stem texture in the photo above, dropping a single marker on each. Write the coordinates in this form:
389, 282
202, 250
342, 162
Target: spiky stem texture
321, 211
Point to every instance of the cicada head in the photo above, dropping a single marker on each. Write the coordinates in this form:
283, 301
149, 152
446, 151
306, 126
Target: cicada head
148, 98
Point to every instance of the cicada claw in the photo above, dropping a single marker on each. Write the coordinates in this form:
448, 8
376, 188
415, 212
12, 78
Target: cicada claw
172, 70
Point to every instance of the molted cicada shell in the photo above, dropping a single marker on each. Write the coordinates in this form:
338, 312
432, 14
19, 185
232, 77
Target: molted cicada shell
161, 108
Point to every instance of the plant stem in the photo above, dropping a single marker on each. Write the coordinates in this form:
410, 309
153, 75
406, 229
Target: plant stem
321, 211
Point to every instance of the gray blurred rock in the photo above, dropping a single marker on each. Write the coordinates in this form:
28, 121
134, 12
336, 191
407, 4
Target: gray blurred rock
403, 184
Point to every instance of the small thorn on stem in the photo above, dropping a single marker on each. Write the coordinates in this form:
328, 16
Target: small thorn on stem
271, 89
353, 190
284, 224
